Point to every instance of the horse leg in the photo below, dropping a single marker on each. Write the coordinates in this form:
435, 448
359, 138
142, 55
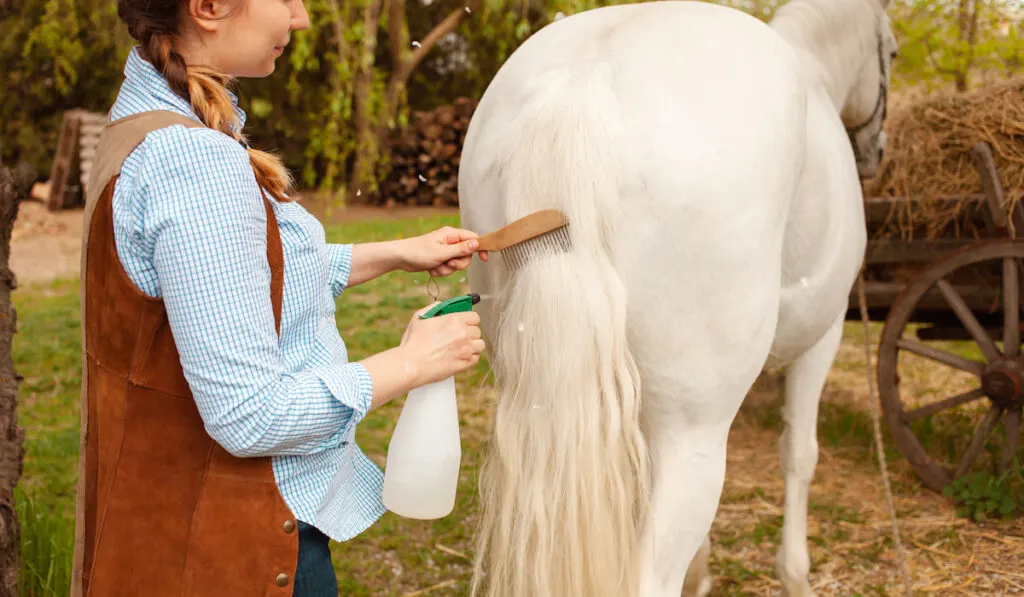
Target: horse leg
698, 575
798, 446
688, 471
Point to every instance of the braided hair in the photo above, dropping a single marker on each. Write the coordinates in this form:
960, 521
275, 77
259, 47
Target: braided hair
155, 25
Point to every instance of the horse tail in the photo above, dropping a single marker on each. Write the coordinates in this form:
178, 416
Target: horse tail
565, 482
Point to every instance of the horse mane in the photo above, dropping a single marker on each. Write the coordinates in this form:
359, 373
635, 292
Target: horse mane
817, 21
814, 26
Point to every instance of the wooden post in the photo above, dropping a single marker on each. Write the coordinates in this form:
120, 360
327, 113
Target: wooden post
64, 173
14, 186
72, 160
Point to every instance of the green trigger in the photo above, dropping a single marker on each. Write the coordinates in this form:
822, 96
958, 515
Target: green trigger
458, 304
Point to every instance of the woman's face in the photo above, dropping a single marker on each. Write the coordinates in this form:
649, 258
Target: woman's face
244, 38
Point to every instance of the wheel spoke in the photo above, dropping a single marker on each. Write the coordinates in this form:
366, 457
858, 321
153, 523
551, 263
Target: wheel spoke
1011, 424
941, 356
1011, 308
981, 433
931, 409
984, 340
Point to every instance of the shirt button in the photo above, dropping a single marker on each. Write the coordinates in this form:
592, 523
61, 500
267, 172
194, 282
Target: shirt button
289, 526
282, 580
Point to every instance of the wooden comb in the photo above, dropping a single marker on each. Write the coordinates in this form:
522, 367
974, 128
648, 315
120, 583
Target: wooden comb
538, 233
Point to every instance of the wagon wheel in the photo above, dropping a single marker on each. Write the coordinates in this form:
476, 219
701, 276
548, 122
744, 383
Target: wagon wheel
996, 381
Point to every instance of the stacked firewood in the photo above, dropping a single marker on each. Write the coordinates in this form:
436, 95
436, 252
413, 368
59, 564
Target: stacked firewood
425, 157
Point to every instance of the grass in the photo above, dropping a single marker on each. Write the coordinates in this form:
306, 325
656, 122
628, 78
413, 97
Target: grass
47, 353
46, 545
397, 557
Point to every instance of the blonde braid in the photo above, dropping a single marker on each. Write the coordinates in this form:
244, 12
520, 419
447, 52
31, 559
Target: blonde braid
206, 90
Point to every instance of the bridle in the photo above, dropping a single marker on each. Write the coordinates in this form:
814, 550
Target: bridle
880, 103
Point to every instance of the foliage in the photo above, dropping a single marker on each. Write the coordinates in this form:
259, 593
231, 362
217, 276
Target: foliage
301, 110
980, 496
945, 41
54, 56
61, 54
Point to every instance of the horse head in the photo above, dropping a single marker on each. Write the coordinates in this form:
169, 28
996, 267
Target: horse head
865, 109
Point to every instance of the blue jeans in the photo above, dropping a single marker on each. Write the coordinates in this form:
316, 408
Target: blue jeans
314, 572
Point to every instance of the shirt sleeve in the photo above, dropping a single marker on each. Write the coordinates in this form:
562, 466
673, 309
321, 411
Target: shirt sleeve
205, 226
339, 267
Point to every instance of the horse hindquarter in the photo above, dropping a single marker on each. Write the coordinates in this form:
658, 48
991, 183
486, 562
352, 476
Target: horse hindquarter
676, 162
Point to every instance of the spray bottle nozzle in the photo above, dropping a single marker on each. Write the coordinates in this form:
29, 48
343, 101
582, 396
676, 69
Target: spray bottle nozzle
456, 304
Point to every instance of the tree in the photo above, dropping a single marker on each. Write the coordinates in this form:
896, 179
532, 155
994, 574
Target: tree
350, 79
330, 108
55, 55
955, 41
373, 129
13, 187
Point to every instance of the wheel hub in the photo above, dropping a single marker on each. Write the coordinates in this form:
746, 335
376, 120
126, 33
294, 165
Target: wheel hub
1003, 383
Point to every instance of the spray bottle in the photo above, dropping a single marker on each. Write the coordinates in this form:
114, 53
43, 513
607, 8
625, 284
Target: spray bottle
421, 473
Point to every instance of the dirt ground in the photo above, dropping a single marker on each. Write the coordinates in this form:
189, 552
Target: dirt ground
45, 245
852, 551
850, 534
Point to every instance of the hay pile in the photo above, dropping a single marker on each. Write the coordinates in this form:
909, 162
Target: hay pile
930, 142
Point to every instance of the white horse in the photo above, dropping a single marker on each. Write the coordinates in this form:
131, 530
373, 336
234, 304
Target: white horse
708, 165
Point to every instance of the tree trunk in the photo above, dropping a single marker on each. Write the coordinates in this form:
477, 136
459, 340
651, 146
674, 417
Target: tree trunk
967, 25
404, 64
365, 161
398, 32
13, 187
410, 60
336, 167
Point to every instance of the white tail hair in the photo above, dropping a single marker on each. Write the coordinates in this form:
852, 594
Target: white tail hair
564, 486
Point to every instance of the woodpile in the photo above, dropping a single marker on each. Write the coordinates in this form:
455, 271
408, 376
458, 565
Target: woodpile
425, 158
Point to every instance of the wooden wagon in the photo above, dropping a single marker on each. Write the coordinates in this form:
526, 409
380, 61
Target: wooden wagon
931, 292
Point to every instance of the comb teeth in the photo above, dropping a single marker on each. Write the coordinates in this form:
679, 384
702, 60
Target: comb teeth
549, 243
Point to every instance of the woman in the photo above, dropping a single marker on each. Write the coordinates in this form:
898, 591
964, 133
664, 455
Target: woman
219, 405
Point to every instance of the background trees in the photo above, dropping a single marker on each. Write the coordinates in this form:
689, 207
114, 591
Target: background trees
363, 64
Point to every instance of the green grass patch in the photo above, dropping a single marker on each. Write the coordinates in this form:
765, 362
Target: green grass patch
47, 353
732, 575
47, 536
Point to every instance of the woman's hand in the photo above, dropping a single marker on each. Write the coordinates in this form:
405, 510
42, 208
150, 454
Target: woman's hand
441, 252
431, 350
439, 347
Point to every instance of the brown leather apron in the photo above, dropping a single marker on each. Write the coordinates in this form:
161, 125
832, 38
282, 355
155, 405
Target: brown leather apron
162, 509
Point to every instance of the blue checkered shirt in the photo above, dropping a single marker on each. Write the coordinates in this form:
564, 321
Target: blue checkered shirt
190, 228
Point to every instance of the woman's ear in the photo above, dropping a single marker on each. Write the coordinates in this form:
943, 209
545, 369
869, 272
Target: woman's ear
208, 14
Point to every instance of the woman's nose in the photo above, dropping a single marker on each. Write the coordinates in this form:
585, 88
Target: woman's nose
300, 18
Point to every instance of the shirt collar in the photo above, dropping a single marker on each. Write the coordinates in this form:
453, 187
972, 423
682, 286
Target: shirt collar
147, 86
